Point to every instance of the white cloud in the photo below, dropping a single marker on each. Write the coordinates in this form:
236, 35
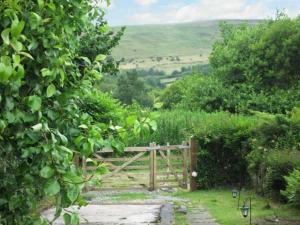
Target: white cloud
206, 10
145, 2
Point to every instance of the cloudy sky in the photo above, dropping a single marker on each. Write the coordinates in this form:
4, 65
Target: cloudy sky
127, 12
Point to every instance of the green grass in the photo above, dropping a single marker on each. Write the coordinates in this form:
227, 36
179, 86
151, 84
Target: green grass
186, 39
223, 207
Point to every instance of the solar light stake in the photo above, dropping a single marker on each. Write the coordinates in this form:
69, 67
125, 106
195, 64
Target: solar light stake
247, 210
234, 193
239, 199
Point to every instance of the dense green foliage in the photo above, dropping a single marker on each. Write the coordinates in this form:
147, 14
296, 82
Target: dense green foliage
276, 152
234, 149
261, 63
199, 92
292, 191
50, 112
223, 140
265, 55
253, 68
130, 88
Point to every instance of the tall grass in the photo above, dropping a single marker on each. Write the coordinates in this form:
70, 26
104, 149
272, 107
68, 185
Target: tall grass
179, 125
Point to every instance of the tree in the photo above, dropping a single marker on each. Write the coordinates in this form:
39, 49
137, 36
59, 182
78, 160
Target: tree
261, 62
130, 88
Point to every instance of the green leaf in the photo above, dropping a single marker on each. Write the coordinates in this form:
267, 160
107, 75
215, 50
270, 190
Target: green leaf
47, 172
62, 137
51, 188
83, 126
130, 120
100, 57
5, 36
51, 90
86, 59
153, 125
20, 72
74, 219
73, 193
17, 28
72, 178
67, 219
5, 72
102, 169
26, 54
17, 46
41, 4
35, 103
158, 105
34, 19
14, 202
37, 127
65, 149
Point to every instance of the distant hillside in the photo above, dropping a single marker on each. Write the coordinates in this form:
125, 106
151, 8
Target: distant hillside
157, 46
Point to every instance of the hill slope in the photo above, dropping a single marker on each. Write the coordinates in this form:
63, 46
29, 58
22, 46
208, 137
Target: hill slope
157, 46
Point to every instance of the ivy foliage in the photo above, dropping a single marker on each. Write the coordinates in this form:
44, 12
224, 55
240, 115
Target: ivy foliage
50, 111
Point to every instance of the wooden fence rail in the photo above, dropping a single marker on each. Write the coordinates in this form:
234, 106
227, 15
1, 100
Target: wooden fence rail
164, 165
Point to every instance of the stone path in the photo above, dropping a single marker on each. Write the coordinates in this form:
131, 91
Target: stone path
113, 214
156, 209
200, 216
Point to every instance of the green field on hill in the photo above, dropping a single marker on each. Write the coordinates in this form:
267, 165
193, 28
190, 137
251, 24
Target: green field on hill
168, 47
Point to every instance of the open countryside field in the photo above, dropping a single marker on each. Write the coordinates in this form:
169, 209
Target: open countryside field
169, 47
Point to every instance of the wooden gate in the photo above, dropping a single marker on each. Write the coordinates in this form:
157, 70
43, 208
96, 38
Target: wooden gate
149, 167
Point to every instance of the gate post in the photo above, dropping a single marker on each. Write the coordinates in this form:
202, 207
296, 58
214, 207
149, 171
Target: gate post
153, 182
193, 164
184, 166
168, 160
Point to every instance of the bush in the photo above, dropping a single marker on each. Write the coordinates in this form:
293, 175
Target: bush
223, 146
198, 92
276, 152
261, 62
292, 192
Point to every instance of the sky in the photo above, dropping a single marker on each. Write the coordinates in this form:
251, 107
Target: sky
135, 12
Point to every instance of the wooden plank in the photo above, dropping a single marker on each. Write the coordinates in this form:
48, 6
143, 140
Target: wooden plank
168, 173
168, 158
142, 159
125, 164
167, 181
185, 168
171, 168
193, 163
98, 157
152, 180
121, 159
144, 149
90, 168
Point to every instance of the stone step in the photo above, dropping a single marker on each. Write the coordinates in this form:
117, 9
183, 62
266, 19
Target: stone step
200, 216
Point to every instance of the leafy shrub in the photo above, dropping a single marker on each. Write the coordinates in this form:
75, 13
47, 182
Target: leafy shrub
292, 192
276, 152
223, 146
261, 63
46, 96
198, 92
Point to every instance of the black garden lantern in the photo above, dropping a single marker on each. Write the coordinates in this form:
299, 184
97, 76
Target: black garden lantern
234, 193
247, 210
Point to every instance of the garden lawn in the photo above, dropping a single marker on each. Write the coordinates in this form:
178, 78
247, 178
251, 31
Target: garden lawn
223, 207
